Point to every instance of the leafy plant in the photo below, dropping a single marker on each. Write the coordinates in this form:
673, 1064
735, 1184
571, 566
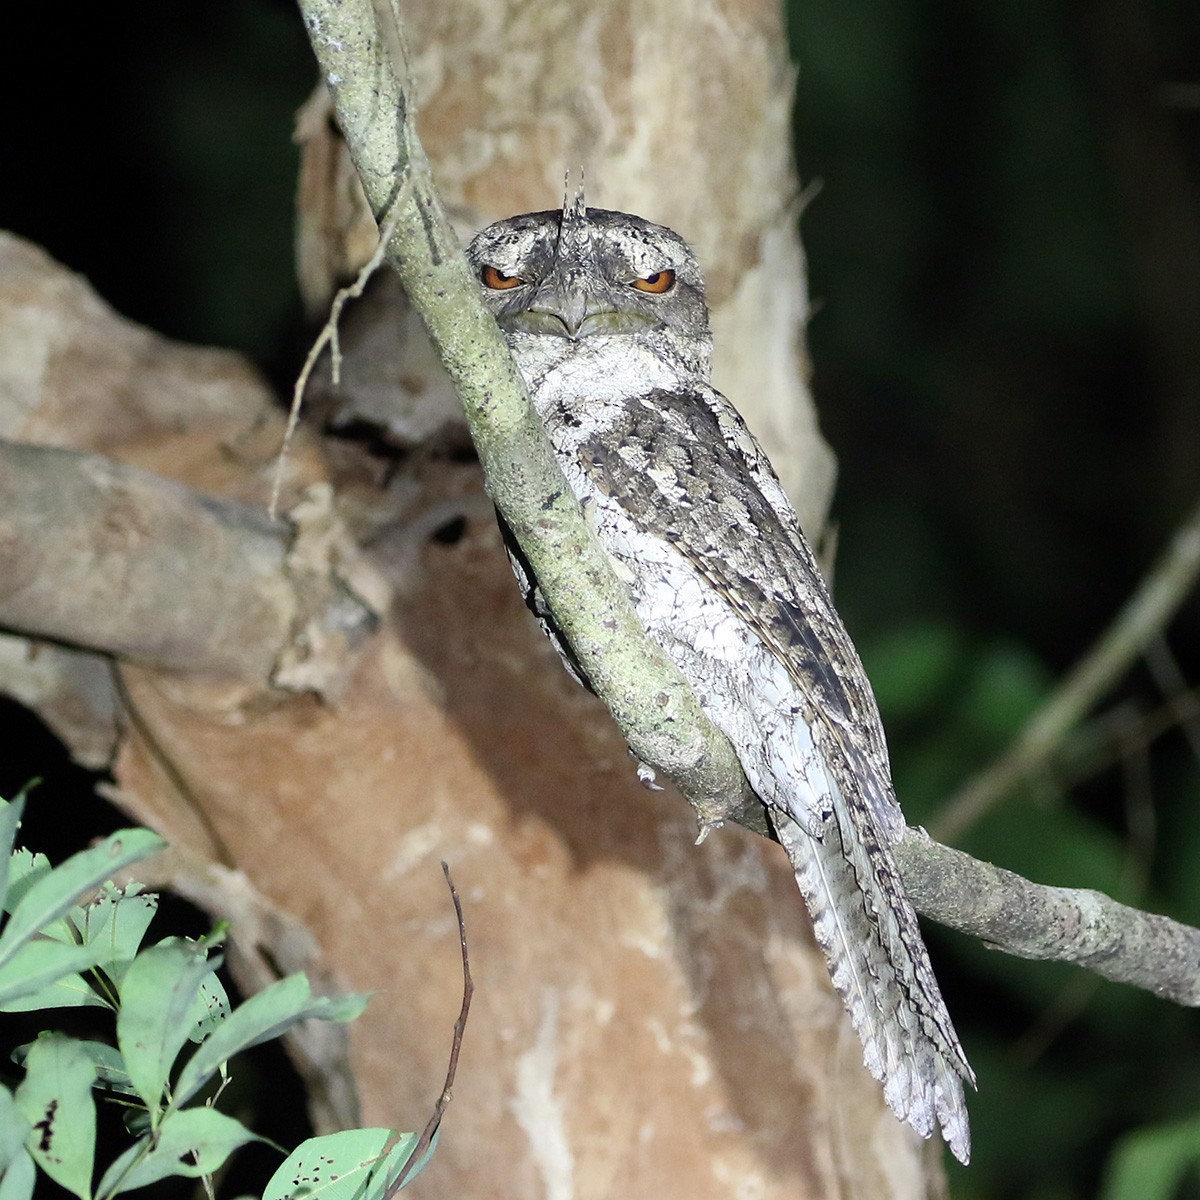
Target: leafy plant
173, 1036
1152, 1163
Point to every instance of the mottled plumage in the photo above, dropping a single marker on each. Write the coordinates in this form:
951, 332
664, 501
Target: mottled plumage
605, 315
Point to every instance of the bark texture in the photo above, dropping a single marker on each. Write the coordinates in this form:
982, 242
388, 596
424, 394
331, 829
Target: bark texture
118, 570
1031, 920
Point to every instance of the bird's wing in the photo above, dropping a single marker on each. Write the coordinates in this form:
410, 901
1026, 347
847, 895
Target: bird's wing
676, 472
684, 468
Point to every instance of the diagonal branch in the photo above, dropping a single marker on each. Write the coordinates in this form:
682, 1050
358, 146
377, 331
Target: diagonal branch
359, 46
101, 555
1139, 622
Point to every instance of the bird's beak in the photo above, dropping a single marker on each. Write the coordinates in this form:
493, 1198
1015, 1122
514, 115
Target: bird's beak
574, 313
570, 307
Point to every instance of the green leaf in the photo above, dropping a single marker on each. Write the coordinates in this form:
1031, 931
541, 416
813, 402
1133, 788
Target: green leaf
37, 965
210, 1009
913, 669
19, 1179
56, 1098
260, 1019
10, 821
71, 991
191, 1143
50, 895
115, 922
410, 1141
211, 1004
23, 868
350, 1165
110, 1067
155, 1017
1150, 1164
14, 1128
1008, 683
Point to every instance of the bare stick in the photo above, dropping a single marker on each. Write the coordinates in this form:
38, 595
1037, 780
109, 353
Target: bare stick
431, 1126
1031, 920
1181, 700
327, 337
1139, 622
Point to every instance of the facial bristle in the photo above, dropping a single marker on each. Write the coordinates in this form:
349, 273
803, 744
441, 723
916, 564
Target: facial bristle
573, 229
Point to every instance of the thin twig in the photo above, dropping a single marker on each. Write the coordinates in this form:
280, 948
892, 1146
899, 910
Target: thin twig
1101, 742
1164, 669
1144, 616
1069, 1004
1140, 814
1051, 1022
431, 1126
327, 337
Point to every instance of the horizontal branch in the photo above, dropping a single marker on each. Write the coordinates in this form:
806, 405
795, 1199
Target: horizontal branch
107, 557
1031, 920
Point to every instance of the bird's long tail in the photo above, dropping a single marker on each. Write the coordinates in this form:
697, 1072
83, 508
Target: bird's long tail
867, 929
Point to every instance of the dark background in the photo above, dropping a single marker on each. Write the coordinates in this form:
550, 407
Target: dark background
1005, 268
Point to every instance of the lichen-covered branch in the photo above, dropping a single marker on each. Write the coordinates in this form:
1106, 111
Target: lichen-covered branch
103, 556
359, 46
1032, 920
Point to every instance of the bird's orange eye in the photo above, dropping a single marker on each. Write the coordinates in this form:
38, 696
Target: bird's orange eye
658, 282
496, 279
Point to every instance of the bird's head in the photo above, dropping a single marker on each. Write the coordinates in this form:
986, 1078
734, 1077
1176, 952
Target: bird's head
579, 274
